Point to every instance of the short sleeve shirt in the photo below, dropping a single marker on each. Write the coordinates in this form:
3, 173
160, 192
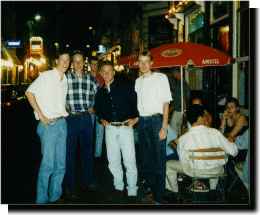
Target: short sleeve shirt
50, 94
152, 92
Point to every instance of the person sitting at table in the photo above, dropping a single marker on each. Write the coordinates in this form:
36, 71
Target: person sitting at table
186, 125
233, 123
199, 136
199, 186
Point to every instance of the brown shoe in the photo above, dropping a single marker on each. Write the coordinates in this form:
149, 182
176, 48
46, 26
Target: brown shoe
131, 199
117, 193
58, 201
148, 199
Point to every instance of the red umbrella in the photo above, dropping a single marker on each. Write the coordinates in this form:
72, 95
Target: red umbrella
185, 53
130, 60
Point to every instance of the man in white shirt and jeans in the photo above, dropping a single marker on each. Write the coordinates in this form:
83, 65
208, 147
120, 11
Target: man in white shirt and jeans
153, 97
47, 96
199, 136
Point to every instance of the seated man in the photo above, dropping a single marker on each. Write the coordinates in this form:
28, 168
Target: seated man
171, 147
199, 136
186, 125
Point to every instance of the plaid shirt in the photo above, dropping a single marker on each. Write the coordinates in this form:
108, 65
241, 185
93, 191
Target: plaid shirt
81, 91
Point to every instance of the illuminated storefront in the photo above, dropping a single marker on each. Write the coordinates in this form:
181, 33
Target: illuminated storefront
223, 25
11, 67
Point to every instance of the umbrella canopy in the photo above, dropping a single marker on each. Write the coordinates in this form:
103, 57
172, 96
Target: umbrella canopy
185, 53
130, 60
193, 54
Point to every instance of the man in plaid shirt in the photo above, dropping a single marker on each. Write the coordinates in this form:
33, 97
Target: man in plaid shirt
82, 88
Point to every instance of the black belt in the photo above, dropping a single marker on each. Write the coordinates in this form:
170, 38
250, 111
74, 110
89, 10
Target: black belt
155, 115
78, 113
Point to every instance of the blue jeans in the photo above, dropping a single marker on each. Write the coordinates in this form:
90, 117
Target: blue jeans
53, 148
82, 126
152, 154
99, 135
173, 156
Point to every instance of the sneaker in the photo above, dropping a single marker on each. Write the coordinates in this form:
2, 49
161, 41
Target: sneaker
148, 199
180, 177
199, 187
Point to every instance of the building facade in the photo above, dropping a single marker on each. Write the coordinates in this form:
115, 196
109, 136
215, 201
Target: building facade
223, 25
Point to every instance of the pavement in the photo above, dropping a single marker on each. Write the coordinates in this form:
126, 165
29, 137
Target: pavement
21, 158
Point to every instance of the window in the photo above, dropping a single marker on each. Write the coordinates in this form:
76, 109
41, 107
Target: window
243, 69
195, 28
243, 55
243, 33
196, 21
218, 11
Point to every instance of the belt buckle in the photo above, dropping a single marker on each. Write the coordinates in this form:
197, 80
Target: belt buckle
155, 115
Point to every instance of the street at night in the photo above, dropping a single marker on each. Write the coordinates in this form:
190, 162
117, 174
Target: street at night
21, 160
72, 64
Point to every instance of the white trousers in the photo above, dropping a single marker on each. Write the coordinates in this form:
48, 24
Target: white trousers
173, 167
121, 139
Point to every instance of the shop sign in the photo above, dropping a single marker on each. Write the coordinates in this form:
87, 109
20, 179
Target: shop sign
36, 46
160, 31
13, 43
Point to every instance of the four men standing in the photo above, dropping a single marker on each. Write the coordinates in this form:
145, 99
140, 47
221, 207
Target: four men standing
117, 107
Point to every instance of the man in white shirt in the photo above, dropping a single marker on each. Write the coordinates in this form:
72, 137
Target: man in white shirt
199, 136
153, 97
47, 96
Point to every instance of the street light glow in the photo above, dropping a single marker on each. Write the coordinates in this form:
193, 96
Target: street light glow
88, 46
67, 45
37, 17
90, 28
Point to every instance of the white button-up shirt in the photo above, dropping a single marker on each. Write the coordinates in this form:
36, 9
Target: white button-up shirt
203, 137
50, 94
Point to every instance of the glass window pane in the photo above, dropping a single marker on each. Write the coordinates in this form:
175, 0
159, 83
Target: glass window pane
244, 33
244, 84
196, 21
219, 10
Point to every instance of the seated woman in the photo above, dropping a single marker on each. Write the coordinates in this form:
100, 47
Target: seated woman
233, 123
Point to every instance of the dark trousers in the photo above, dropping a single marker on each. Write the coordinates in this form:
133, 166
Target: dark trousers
82, 126
152, 154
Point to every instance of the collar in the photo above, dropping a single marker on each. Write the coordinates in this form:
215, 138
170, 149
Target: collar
74, 74
198, 127
112, 85
57, 75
